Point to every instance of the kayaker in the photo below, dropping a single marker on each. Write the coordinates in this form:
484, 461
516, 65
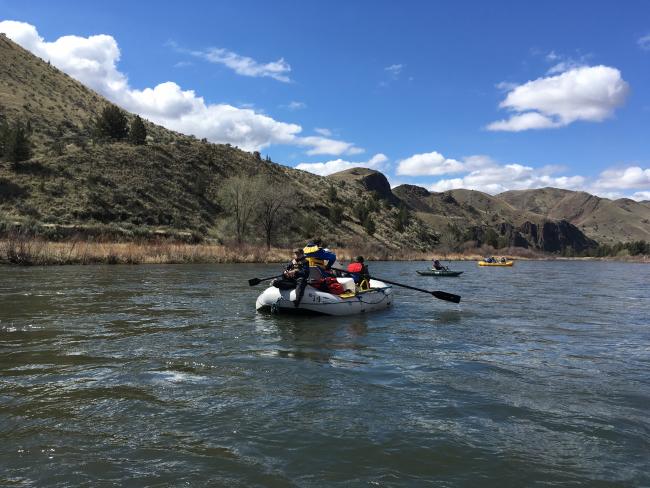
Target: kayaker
297, 272
437, 265
319, 258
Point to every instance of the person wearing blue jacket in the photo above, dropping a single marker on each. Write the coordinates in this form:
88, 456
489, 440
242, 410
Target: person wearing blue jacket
319, 257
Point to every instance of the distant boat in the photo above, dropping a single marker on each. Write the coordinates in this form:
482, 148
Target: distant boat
485, 263
439, 272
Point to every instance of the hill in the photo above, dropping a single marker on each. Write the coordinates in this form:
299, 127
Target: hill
75, 184
602, 219
170, 186
469, 215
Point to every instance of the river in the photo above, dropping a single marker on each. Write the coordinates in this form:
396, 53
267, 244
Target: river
141, 376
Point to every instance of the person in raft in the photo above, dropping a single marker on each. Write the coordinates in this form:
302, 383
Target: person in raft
360, 273
320, 259
295, 276
437, 265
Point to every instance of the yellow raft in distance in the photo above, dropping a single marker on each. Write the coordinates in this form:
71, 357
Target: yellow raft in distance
485, 263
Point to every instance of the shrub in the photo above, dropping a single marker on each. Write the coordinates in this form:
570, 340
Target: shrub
137, 132
112, 124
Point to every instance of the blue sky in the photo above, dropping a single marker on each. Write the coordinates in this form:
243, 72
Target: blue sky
457, 94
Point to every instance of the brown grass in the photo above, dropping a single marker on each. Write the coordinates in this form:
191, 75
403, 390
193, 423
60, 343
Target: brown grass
34, 251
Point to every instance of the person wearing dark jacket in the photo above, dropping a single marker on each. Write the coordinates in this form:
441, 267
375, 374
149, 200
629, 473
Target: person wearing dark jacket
298, 272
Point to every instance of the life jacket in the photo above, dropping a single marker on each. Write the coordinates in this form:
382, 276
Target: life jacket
329, 285
313, 261
355, 267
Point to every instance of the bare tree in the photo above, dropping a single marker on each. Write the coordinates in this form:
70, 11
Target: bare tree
273, 202
240, 197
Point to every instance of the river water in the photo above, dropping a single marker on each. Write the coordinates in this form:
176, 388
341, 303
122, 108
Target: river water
165, 376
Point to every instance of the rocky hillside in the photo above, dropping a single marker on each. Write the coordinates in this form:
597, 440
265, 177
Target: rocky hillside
469, 215
602, 219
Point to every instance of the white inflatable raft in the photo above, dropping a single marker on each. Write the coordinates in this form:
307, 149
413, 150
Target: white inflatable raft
378, 297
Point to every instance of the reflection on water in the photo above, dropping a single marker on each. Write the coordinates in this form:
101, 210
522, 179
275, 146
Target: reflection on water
166, 376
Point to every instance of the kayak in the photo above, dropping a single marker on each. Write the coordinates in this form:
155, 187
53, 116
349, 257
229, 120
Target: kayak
439, 272
314, 301
485, 263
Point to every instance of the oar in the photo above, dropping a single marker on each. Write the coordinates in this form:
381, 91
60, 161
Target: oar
257, 281
441, 295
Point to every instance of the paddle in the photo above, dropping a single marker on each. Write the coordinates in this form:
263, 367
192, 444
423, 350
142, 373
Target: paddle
441, 295
257, 281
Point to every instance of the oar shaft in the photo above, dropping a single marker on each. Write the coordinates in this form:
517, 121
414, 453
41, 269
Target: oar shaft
442, 295
402, 285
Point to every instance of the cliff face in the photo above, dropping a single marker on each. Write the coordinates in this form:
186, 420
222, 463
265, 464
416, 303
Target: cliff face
368, 179
555, 237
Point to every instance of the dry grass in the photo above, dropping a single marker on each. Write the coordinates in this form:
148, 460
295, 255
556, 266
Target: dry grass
37, 252
33, 251
30, 251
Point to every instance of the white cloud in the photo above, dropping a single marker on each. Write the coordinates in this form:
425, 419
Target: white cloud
246, 66
562, 63
329, 167
585, 93
640, 195
93, 61
632, 177
644, 42
325, 145
498, 178
429, 164
323, 132
525, 121
483, 173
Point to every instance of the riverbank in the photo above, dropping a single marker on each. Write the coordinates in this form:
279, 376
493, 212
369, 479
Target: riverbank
35, 252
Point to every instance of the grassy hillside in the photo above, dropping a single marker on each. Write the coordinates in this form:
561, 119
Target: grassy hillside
170, 186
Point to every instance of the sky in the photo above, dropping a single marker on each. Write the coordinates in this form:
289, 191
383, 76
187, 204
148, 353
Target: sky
491, 96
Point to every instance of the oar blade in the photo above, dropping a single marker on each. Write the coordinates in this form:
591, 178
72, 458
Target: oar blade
449, 297
254, 281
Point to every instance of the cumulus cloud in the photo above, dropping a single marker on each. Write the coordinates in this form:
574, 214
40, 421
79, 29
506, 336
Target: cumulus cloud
93, 61
631, 177
428, 164
481, 172
641, 195
498, 178
590, 93
246, 66
329, 167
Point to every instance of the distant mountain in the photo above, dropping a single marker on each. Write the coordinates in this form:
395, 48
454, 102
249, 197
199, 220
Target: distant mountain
477, 216
73, 184
602, 219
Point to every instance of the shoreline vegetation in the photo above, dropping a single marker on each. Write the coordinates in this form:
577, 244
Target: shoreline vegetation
39, 252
